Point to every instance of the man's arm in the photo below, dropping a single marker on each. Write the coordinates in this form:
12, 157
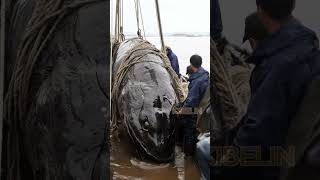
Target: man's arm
193, 96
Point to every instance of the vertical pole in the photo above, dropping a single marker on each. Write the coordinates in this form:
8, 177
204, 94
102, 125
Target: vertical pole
159, 24
2, 63
116, 21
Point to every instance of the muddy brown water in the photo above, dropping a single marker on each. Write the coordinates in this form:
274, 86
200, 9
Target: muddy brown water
125, 165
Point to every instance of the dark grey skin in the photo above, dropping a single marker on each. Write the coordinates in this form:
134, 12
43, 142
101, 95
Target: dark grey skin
64, 134
145, 104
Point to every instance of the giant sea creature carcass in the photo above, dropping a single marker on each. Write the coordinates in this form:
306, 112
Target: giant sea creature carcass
144, 94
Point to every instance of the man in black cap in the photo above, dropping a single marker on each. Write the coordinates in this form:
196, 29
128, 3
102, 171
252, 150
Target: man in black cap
254, 31
198, 83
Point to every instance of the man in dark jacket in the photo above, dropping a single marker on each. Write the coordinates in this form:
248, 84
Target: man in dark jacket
278, 83
173, 60
199, 81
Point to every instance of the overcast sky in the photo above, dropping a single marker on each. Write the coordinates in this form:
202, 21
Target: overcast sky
177, 16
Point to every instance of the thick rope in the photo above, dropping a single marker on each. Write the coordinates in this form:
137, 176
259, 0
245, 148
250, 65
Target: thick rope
160, 26
138, 16
240, 74
119, 36
134, 56
226, 93
142, 23
46, 16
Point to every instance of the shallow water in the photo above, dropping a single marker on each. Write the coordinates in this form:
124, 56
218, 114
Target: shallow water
126, 166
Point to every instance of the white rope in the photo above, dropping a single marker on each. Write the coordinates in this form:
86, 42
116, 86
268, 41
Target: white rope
160, 26
119, 36
144, 32
138, 16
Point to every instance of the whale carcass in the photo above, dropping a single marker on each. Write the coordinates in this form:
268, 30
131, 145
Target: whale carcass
144, 94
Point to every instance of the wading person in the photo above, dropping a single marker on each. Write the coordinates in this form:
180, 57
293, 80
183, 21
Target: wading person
173, 60
199, 81
278, 83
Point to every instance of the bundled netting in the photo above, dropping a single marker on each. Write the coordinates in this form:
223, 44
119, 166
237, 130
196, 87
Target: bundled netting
46, 16
240, 73
134, 56
226, 93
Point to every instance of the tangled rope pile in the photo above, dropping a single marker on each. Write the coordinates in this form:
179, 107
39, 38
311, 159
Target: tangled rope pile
46, 16
240, 75
134, 56
226, 93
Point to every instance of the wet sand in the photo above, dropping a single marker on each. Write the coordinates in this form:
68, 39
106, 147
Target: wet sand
125, 166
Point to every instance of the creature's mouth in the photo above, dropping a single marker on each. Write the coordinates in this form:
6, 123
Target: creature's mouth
162, 152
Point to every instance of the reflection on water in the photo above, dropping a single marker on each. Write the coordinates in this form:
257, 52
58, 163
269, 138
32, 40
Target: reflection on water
125, 166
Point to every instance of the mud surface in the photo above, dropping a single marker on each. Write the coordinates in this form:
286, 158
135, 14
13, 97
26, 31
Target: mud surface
126, 166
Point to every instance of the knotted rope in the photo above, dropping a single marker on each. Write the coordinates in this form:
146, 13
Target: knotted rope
226, 92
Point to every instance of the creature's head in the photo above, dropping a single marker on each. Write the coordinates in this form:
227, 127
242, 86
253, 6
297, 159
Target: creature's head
146, 103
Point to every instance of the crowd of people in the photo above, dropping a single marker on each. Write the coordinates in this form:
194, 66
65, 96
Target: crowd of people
285, 58
198, 79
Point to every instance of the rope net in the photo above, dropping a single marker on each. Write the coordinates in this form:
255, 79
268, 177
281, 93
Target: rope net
226, 93
46, 16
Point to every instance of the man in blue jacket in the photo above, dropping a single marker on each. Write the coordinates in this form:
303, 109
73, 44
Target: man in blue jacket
278, 83
173, 60
199, 81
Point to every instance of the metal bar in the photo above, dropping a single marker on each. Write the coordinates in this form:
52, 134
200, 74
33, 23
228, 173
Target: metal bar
160, 26
2, 64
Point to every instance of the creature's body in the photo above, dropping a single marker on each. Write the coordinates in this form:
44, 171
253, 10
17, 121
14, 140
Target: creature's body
145, 102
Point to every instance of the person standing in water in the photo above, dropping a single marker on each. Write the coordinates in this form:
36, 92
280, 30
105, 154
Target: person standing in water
173, 60
198, 83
